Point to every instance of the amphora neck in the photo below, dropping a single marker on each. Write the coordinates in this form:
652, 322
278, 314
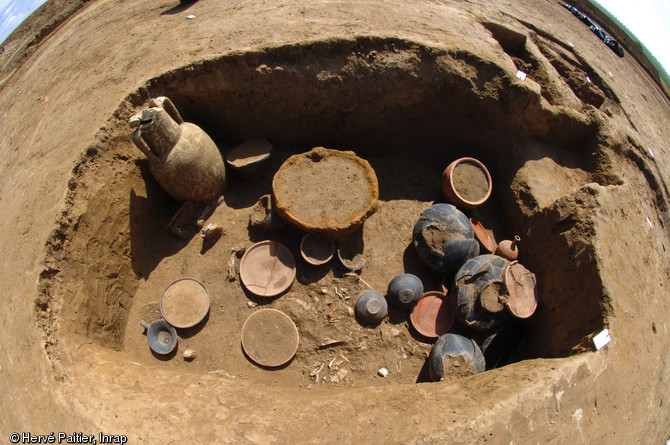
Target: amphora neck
158, 130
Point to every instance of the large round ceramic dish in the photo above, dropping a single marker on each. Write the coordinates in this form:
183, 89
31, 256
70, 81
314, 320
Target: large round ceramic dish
267, 269
270, 338
185, 303
326, 191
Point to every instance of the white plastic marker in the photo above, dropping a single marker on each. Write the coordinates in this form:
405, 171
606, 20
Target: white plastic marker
650, 152
191, 16
650, 223
602, 339
521, 75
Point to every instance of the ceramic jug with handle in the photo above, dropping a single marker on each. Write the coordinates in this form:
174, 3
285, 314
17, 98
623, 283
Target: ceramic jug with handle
182, 157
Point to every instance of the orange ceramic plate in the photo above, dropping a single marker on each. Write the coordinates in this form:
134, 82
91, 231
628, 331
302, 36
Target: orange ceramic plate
432, 316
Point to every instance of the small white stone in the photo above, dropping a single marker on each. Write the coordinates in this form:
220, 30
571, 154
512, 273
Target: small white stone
324, 291
190, 16
189, 354
383, 372
251, 304
588, 79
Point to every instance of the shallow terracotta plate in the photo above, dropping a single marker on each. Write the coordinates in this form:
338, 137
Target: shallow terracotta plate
270, 338
521, 283
432, 316
184, 303
267, 269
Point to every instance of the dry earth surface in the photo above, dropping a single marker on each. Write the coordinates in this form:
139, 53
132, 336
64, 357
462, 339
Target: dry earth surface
578, 154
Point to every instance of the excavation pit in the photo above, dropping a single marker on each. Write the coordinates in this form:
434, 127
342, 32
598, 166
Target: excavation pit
409, 110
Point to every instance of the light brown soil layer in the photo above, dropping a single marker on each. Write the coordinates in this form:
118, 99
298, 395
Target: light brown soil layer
579, 172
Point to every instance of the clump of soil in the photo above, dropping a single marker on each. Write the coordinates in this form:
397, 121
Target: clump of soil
457, 365
435, 236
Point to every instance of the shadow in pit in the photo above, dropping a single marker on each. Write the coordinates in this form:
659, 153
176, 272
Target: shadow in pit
193, 330
413, 265
406, 177
181, 7
166, 357
150, 240
244, 191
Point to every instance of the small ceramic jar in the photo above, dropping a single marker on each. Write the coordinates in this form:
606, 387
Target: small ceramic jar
455, 355
405, 290
371, 307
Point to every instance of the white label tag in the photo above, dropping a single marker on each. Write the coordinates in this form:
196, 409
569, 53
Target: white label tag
602, 339
521, 75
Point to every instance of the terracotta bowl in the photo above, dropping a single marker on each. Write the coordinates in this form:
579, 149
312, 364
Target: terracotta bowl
466, 182
317, 249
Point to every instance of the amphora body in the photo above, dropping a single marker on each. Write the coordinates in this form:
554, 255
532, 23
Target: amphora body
182, 157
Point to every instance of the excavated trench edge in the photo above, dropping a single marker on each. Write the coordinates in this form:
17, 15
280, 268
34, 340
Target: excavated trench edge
487, 82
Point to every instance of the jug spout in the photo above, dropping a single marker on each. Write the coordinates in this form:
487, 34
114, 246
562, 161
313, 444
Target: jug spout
156, 133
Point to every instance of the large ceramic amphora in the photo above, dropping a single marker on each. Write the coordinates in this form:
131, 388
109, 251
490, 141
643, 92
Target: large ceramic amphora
182, 157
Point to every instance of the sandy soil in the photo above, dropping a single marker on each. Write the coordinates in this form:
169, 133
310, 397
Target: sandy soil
578, 154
